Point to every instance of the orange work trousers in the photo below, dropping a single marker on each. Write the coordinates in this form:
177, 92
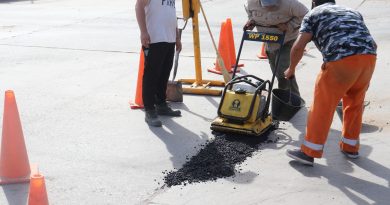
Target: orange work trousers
345, 79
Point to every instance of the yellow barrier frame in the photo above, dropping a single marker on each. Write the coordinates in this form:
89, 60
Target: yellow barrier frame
198, 86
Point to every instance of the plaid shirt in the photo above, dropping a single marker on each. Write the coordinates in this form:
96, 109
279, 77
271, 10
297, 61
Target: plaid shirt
338, 32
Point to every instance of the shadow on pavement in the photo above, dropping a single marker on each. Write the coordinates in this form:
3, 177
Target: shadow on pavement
280, 139
372, 166
16, 194
243, 177
337, 167
299, 123
179, 140
367, 128
184, 107
351, 186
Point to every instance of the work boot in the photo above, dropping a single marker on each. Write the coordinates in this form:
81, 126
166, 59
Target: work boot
152, 119
164, 109
300, 156
351, 155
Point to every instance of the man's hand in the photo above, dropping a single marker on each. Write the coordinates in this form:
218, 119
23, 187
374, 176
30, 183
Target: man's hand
178, 44
250, 24
296, 53
289, 73
282, 26
145, 39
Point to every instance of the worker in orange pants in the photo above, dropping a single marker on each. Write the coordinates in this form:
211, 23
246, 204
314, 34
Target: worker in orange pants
349, 54
347, 79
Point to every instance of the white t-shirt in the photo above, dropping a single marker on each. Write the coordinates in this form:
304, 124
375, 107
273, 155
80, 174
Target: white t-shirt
161, 21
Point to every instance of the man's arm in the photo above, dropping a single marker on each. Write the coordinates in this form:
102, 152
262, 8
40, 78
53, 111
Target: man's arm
141, 19
250, 24
297, 53
178, 40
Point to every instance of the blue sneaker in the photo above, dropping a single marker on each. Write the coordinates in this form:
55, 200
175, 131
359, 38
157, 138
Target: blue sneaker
300, 156
351, 155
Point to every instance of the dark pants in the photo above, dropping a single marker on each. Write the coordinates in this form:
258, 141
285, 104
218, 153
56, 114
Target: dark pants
284, 63
158, 65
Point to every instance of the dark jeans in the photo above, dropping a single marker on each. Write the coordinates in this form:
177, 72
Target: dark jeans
158, 65
284, 63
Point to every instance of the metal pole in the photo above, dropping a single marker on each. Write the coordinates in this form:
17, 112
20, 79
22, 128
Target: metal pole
198, 65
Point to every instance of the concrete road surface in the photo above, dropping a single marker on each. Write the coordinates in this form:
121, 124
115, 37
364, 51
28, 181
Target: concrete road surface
73, 66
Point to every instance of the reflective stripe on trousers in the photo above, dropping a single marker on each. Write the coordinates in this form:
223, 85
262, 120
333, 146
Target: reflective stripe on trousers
349, 141
312, 149
317, 147
349, 145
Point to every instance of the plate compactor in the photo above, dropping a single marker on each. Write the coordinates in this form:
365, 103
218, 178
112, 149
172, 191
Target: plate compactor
245, 101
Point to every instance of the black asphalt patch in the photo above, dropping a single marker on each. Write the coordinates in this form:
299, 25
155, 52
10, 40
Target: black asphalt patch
216, 159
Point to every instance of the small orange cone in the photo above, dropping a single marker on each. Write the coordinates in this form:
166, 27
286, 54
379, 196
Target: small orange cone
138, 102
14, 163
223, 48
37, 194
262, 54
232, 49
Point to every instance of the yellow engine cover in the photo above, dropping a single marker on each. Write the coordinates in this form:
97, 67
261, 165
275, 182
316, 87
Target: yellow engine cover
238, 105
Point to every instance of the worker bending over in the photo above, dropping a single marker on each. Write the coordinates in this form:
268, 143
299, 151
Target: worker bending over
349, 55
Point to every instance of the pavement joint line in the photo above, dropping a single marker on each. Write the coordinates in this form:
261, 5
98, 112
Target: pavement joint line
106, 51
64, 48
62, 26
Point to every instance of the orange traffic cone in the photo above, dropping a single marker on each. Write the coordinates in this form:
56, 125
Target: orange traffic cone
37, 194
262, 54
232, 49
223, 49
138, 102
14, 163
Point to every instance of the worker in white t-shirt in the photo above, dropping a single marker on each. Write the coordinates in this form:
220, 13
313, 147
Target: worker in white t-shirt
159, 37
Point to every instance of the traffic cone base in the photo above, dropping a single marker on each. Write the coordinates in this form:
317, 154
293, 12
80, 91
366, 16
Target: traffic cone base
238, 66
217, 71
134, 105
4, 180
261, 56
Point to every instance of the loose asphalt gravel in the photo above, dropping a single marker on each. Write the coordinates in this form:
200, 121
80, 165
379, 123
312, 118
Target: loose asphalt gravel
217, 159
